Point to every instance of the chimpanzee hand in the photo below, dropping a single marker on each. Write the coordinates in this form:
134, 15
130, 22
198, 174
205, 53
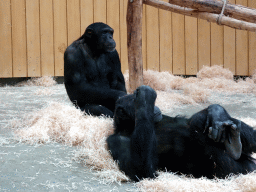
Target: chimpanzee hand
222, 129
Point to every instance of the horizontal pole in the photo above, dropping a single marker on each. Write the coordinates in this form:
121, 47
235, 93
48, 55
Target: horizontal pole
212, 6
211, 17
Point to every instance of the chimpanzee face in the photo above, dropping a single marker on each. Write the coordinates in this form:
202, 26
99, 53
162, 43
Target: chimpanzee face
106, 41
100, 36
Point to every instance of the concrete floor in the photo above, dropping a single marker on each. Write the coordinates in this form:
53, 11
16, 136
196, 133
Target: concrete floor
50, 167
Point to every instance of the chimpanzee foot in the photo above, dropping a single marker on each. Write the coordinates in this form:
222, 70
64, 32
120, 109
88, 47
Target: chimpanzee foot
222, 129
144, 100
145, 95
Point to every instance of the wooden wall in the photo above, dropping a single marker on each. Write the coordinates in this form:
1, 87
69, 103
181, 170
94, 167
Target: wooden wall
35, 33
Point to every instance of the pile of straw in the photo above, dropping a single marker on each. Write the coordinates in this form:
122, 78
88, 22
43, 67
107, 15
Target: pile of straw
62, 123
45, 81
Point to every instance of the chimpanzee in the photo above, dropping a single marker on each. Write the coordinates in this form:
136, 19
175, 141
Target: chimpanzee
211, 143
92, 71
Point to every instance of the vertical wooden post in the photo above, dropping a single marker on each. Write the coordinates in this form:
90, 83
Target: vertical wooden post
134, 43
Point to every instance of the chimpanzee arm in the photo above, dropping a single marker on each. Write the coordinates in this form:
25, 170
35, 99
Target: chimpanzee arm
77, 70
117, 78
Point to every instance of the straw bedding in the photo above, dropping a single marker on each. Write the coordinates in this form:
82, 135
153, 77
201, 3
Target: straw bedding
63, 123
45, 81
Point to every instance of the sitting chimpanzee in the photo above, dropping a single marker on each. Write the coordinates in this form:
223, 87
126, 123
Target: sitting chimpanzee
92, 71
211, 143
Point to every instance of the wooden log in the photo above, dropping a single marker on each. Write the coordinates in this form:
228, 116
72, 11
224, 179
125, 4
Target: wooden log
211, 17
212, 6
134, 43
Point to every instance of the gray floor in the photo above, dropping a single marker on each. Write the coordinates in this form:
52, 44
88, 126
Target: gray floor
50, 167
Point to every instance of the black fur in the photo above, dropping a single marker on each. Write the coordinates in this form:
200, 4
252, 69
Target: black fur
210, 143
92, 71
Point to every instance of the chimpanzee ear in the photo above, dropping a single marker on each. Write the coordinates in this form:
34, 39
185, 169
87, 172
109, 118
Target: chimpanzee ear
88, 32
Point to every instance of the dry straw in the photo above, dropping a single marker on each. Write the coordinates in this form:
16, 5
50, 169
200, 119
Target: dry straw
65, 124
45, 81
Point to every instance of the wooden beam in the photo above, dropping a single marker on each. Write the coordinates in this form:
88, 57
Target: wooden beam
134, 43
235, 11
211, 17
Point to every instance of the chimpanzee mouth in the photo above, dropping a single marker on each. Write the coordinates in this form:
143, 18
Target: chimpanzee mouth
110, 48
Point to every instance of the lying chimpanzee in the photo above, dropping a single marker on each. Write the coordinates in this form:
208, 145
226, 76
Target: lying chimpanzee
92, 71
210, 143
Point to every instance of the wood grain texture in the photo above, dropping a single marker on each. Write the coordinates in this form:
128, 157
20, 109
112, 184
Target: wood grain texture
152, 22
191, 45
123, 36
73, 20
212, 17
33, 38
236, 11
100, 11
252, 45
230, 47
165, 28
5, 39
134, 43
217, 45
113, 18
60, 34
87, 11
204, 43
178, 28
242, 48
144, 37
46, 30
19, 38
35, 34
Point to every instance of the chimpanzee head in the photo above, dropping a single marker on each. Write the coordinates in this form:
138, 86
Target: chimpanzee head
99, 37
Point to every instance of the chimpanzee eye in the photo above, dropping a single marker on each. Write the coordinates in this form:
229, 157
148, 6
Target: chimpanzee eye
105, 31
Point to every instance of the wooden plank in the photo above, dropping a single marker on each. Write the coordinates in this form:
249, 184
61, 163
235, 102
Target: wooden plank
19, 41
242, 49
217, 44
178, 28
191, 45
46, 29
252, 44
60, 34
123, 36
73, 18
165, 19
33, 38
5, 39
204, 43
152, 38
100, 11
144, 37
230, 47
86, 10
113, 19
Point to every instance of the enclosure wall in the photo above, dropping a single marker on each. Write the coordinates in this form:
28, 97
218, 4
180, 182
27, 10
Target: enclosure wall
35, 33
